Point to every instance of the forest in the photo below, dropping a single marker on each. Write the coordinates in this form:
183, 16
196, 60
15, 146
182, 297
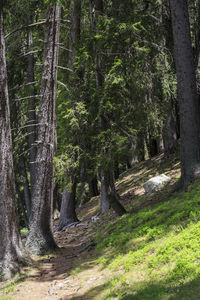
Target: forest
91, 92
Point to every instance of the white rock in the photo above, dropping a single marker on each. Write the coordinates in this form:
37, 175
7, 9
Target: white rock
156, 183
95, 219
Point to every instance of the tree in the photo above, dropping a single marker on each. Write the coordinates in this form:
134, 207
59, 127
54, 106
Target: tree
68, 204
40, 238
187, 92
11, 249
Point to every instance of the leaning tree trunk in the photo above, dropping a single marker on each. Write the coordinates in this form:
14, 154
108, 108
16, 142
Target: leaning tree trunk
11, 249
40, 238
187, 92
67, 212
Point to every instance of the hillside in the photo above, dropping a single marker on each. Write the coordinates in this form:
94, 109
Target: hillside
153, 252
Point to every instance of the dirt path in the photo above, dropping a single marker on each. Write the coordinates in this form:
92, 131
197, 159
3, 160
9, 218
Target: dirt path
71, 273
51, 279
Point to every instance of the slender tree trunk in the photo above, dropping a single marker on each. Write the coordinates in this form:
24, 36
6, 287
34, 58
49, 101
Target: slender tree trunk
105, 205
68, 205
27, 196
93, 187
56, 201
111, 195
108, 194
75, 29
160, 141
40, 238
32, 107
170, 131
11, 249
187, 92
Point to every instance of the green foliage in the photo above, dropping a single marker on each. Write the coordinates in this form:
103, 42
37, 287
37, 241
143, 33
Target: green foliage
163, 241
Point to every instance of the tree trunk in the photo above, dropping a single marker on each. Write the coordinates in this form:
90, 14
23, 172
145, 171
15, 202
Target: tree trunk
27, 196
111, 196
32, 107
170, 132
40, 238
108, 195
160, 141
187, 92
56, 201
67, 211
11, 249
68, 205
75, 29
105, 205
93, 187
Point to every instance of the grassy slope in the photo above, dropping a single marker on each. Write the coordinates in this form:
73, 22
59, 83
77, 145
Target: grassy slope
153, 253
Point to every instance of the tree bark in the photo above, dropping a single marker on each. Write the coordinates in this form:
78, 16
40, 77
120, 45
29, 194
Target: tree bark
67, 212
40, 238
170, 131
111, 196
32, 107
108, 194
105, 205
187, 92
68, 204
93, 187
75, 29
11, 249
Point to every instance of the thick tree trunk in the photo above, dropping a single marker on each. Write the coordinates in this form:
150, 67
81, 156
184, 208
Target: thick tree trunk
11, 249
67, 212
187, 92
40, 238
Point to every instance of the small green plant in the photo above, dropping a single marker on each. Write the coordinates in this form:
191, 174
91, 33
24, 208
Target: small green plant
24, 231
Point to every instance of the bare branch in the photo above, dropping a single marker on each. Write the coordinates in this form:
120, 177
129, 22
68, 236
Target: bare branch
62, 84
24, 26
20, 86
27, 97
65, 68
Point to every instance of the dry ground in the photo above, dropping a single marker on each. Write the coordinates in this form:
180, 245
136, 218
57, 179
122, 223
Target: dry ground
56, 276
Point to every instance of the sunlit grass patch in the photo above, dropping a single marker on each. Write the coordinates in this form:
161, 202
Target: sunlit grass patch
163, 241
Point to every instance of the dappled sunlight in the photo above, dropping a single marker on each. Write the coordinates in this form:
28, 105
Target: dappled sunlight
150, 253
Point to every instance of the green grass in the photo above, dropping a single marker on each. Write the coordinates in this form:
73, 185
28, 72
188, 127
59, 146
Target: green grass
9, 286
157, 250
24, 231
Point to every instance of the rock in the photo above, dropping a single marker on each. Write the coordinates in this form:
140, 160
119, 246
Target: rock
50, 291
156, 183
95, 219
60, 285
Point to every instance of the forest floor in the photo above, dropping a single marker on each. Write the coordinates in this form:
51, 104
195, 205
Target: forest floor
152, 253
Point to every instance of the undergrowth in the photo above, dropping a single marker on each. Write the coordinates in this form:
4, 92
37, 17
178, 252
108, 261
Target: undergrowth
156, 249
